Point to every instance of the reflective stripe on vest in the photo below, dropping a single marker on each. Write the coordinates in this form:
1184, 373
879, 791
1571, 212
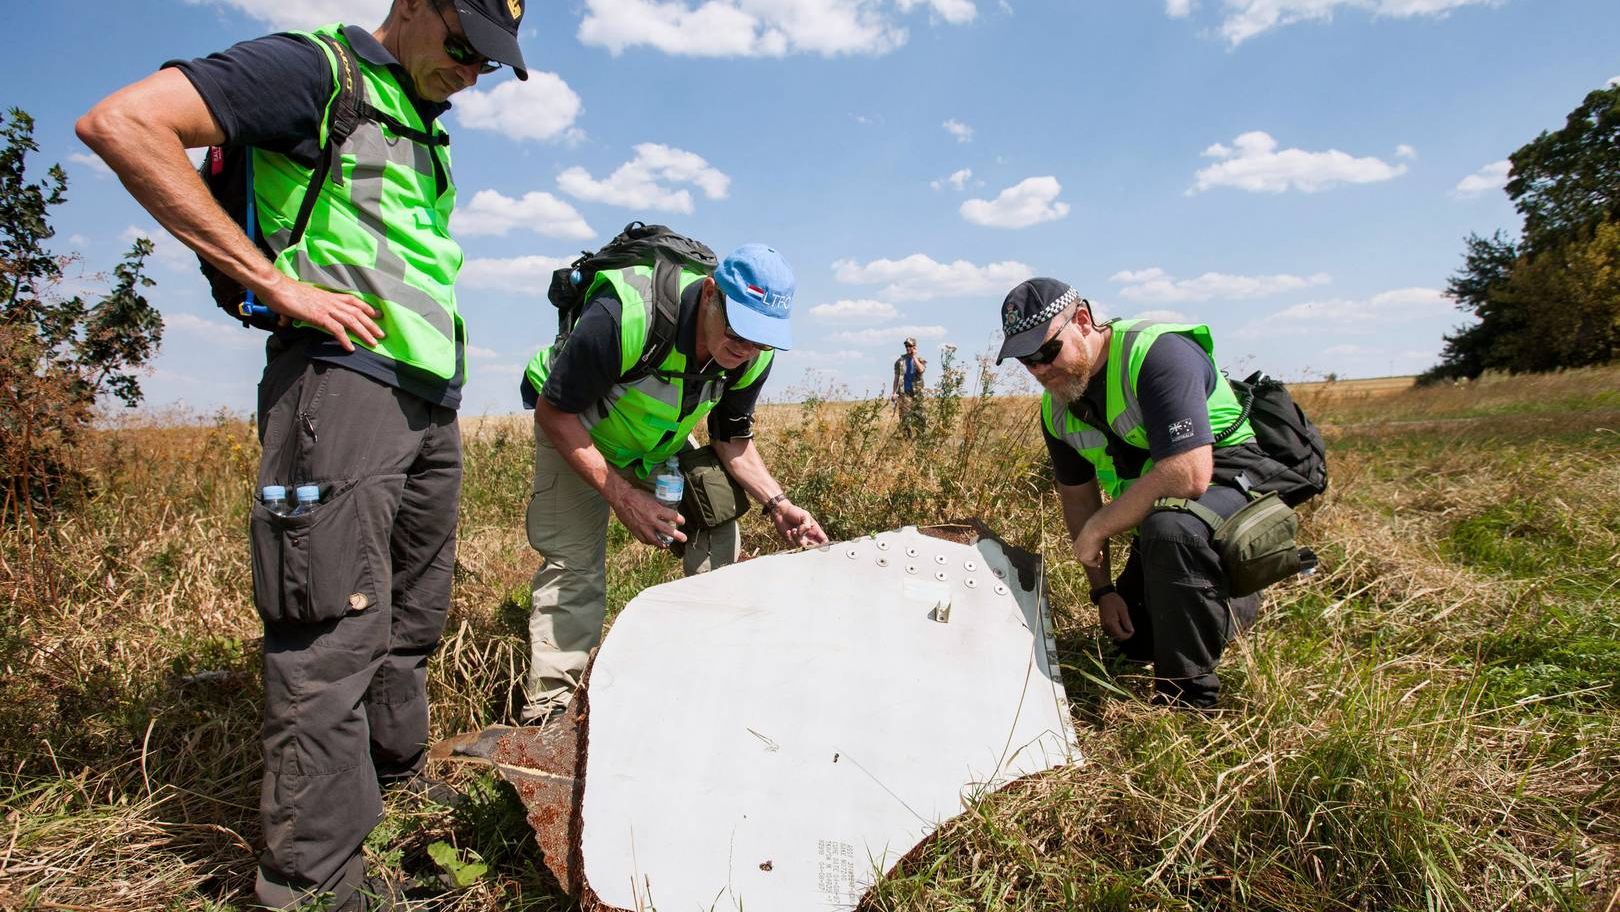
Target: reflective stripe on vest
1128, 348
638, 425
383, 234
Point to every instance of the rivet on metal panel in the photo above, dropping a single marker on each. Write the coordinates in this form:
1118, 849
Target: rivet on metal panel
911, 568
939, 559
883, 545
969, 566
941, 576
851, 553
999, 573
883, 562
972, 583
1000, 589
911, 552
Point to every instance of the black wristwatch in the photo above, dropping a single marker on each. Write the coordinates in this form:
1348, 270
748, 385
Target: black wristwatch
1098, 593
770, 506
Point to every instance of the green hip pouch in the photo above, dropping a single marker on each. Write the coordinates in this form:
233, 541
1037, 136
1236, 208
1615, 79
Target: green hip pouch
1256, 544
713, 498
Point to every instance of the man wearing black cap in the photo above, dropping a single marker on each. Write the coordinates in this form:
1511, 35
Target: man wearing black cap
357, 407
1136, 409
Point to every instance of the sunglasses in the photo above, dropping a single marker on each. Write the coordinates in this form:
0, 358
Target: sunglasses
1048, 352
733, 337
459, 49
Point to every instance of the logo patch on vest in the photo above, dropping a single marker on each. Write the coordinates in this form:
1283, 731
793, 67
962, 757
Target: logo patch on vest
1181, 430
515, 7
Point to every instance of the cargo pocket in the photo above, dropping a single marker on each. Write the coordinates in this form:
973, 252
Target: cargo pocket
322, 565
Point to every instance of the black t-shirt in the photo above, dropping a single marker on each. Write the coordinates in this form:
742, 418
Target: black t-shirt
271, 93
1173, 386
586, 368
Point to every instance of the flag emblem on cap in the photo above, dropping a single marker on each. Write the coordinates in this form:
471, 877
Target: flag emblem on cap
756, 291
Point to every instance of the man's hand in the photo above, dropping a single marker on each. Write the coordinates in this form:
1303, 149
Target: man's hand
1116, 617
338, 314
1090, 547
647, 519
796, 526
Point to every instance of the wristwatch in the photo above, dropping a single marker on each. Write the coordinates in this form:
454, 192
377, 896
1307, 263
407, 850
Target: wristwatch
1098, 593
770, 506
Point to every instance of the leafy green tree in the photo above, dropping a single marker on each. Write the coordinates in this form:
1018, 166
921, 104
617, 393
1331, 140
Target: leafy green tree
57, 352
1569, 180
1487, 264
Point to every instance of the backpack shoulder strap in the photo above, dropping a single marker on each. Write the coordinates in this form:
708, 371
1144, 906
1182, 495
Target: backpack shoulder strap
1183, 505
665, 326
343, 115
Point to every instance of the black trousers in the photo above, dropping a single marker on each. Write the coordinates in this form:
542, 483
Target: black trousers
353, 596
1175, 590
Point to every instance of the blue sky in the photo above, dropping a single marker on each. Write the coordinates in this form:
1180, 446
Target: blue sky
1299, 174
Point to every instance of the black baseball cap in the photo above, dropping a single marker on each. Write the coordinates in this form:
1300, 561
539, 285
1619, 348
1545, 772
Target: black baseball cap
492, 27
1027, 312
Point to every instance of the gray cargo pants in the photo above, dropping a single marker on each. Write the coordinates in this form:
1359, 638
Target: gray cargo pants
1176, 592
353, 596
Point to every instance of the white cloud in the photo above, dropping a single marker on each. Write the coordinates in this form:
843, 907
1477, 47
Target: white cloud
958, 129
482, 353
816, 356
1178, 9
524, 275
636, 184
1613, 81
1345, 316
1255, 164
1157, 285
958, 179
544, 107
303, 14
1405, 151
867, 120
1493, 176
956, 12
220, 333
921, 278
490, 212
755, 28
1163, 316
1247, 18
91, 161
853, 311
1028, 202
166, 248
888, 335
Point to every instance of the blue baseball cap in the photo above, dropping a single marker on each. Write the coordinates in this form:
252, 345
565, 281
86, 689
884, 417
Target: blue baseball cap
759, 285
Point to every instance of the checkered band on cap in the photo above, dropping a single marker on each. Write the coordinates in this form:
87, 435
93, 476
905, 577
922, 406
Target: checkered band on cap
1044, 314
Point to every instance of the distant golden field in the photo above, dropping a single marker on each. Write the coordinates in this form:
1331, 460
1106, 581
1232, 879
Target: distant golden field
1431, 722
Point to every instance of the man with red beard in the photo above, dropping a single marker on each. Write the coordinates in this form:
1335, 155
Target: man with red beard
1137, 410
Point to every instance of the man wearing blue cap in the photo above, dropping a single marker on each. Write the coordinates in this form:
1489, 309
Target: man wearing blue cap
603, 429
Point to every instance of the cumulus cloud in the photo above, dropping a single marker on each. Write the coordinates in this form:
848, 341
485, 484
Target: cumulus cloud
304, 14
958, 179
491, 212
1164, 316
91, 161
1028, 202
1346, 316
1178, 9
1405, 151
819, 356
958, 129
524, 275
166, 248
1493, 176
641, 182
921, 278
1254, 163
1247, 18
747, 28
888, 335
543, 108
1159, 286
853, 311
221, 333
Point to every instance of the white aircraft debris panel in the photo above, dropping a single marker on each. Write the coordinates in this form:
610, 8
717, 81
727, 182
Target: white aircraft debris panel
773, 734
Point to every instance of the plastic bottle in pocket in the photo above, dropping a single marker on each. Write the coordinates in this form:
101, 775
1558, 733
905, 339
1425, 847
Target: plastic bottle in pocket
308, 496
274, 498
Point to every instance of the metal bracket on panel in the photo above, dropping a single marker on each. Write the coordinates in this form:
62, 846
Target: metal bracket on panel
942, 612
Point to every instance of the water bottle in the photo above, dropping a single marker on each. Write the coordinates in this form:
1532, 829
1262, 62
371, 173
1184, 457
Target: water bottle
669, 487
308, 496
274, 498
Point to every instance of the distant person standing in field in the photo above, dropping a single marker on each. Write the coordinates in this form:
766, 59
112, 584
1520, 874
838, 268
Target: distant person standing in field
1133, 409
908, 382
602, 431
360, 390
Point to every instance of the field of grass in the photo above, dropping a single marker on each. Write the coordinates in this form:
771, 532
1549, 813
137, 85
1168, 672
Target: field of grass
1431, 722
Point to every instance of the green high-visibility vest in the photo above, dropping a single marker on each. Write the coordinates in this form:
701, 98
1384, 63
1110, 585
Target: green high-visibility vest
639, 424
1127, 349
382, 233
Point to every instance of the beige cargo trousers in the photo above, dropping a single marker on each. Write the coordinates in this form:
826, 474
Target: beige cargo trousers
567, 522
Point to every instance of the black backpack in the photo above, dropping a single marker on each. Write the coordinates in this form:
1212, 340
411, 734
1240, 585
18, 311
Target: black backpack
1293, 445
639, 244
227, 172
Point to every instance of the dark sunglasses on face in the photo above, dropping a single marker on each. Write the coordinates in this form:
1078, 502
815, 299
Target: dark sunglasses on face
1048, 352
457, 48
739, 340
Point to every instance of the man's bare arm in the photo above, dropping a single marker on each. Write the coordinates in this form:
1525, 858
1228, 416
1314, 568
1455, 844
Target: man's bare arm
142, 132
1185, 474
640, 512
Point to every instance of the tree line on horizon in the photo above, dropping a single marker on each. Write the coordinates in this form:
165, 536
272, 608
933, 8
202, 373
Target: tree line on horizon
1550, 298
